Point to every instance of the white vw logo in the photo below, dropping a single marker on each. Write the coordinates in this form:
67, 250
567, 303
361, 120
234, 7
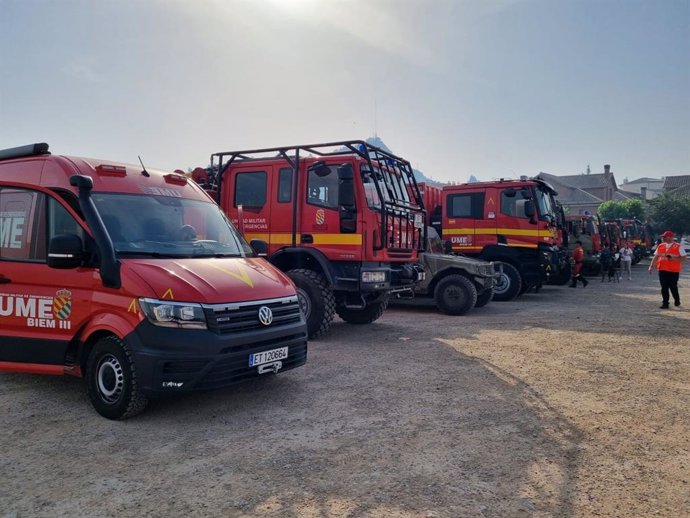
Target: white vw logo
265, 315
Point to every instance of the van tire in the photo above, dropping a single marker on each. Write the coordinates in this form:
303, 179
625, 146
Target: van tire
455, 295
369, 314
316, 300
509, 284
484, 298
111, 380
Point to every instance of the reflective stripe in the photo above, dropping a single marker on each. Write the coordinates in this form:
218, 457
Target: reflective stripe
276, 238
496, 231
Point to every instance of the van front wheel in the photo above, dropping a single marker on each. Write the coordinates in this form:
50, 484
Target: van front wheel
111, 380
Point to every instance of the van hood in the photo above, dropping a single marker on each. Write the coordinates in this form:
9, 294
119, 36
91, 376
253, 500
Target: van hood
211, 280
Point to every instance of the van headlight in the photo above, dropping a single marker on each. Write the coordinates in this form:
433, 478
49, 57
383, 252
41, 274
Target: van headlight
165, 313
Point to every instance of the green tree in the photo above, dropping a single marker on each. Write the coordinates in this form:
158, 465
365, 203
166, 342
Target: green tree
671, 212
611, 210
627, 209
633, 208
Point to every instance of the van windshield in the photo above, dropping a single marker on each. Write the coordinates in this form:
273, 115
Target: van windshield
168, 226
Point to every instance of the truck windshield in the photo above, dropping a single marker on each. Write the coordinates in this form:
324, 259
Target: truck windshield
544, 203
168, 226
391, 186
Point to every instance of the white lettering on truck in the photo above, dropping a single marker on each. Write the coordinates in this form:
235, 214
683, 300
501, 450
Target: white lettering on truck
11, 228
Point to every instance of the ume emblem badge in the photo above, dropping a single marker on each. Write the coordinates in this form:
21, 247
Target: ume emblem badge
265, 315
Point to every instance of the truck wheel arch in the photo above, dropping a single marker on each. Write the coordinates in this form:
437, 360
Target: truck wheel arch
287, 259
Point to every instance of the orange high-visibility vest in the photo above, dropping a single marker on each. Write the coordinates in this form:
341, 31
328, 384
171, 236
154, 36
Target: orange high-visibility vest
664, 264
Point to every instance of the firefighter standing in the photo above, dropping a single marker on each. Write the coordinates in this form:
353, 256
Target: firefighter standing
669, 258
579, 258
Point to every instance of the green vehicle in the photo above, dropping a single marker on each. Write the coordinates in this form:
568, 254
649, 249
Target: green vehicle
453, 283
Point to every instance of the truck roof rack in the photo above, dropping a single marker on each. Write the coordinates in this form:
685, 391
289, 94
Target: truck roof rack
40, 148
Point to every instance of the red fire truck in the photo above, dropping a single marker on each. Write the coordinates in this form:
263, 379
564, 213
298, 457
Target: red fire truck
514, 222
135, 280
344, 220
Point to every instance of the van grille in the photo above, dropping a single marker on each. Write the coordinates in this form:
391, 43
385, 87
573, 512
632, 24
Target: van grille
235, 318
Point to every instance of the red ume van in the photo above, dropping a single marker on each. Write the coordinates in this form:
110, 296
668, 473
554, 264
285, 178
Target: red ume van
135, 280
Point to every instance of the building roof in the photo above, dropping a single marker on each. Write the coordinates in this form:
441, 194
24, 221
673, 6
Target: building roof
674, 182
568, 194
621, 195
644, 180
586, 181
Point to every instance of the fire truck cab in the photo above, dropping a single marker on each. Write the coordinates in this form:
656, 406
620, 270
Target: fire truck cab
344, 220
513, 222
135, 280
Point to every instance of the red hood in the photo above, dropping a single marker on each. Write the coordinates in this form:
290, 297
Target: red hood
212, 280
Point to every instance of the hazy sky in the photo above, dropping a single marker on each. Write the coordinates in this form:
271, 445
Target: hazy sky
485, 87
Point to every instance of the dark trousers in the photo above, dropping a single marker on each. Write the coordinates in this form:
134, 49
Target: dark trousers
669, 282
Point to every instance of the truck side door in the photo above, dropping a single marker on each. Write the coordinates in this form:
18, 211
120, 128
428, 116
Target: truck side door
248, 196
40, 308
513, 225
465, 221
320, 222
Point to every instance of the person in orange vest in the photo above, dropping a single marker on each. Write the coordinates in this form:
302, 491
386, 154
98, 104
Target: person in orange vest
669, 258
579, 258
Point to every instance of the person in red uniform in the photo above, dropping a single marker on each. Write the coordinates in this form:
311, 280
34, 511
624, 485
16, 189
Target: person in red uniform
579, 258
669, 258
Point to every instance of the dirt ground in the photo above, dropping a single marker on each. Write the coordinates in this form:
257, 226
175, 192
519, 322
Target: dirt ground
569, 402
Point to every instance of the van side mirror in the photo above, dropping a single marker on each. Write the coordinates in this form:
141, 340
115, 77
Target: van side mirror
65, 251
259, 246
346, 187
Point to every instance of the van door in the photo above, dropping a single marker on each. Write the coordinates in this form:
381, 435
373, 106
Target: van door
40, 308
249, 198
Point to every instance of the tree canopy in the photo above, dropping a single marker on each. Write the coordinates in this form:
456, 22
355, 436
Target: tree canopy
627, 209
669, 212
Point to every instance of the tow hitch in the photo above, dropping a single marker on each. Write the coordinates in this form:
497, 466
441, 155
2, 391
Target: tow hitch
270, 367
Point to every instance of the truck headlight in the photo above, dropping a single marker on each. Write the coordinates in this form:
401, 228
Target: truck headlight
373, 276
165, 313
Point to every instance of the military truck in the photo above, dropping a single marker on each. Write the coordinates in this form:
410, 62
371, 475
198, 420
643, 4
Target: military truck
454, 283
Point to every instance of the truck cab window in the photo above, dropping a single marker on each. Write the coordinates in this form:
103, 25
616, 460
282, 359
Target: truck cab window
285, 185
513, 206
470, 205
322, 190
250, 189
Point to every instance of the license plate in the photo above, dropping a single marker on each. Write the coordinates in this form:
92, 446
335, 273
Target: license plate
267, 356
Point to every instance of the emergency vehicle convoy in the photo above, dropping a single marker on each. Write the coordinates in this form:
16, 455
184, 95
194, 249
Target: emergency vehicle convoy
344, 220
135, 280
513, 222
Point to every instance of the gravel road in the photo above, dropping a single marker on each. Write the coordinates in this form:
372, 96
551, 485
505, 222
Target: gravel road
569, 402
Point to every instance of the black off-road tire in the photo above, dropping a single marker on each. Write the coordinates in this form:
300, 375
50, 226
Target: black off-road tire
316, 300
111, 380
484, 298
455, 295
509, 284
369, 314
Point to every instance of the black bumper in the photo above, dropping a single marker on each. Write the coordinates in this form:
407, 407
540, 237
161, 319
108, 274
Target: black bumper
169, 361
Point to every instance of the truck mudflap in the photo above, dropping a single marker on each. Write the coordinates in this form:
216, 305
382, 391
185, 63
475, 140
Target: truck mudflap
169, 360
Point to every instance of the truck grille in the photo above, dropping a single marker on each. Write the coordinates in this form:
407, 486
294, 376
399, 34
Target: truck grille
240, 317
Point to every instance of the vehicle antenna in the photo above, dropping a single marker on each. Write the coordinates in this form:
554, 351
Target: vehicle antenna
144, 171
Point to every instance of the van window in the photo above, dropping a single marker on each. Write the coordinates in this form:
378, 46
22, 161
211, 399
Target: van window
250, 189
22, 225
61, 222
285, 185
470, 205
322, 190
